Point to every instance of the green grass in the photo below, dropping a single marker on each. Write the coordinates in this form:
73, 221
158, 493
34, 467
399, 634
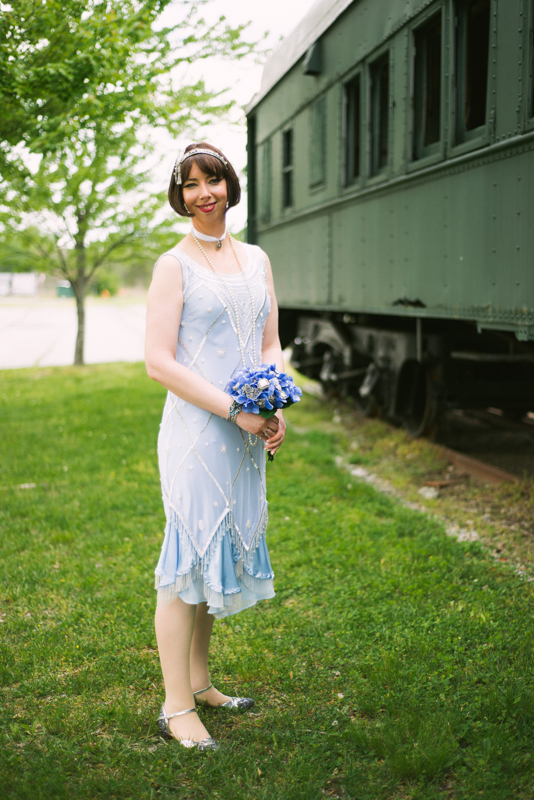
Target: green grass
393, 663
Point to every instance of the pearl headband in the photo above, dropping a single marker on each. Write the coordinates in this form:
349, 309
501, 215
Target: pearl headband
197, 151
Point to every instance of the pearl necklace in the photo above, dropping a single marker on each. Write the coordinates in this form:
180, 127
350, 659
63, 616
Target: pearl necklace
206, 238
230, 292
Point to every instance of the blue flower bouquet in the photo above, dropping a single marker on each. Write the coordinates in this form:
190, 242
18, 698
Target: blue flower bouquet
263, 390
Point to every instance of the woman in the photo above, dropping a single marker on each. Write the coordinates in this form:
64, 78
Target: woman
211, 310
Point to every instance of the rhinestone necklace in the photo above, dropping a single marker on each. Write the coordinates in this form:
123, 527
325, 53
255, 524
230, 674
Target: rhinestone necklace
230, 292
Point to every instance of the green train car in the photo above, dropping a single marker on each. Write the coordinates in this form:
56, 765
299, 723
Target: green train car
390, 167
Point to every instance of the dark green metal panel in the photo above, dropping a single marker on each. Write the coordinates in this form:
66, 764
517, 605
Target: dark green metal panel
452, 231
300, 257
458, 243
317, 143
252, 182
265, 184
506, 90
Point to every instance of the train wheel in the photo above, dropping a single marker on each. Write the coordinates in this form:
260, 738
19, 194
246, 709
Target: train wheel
417, 407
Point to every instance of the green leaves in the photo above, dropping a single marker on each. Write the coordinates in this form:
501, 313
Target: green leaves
65, 67
83, 84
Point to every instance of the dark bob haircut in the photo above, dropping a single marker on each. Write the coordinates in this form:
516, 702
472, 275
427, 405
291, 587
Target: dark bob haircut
211, 166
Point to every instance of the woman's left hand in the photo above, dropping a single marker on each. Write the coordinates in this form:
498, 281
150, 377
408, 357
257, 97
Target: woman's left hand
274, 443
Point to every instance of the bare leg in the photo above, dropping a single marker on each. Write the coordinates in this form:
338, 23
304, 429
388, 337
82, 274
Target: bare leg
174, 632
200, 646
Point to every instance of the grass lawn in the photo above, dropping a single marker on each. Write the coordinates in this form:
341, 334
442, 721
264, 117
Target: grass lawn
393, 663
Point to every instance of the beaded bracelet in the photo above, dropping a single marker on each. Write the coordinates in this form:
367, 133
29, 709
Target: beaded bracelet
234, 410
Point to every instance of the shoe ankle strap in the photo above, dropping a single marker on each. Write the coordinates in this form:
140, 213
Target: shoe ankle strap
167, 717
201, 691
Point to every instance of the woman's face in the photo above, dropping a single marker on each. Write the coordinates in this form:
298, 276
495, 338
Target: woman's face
205, 195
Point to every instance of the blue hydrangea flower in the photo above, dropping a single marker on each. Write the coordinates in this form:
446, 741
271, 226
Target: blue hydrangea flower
261, 390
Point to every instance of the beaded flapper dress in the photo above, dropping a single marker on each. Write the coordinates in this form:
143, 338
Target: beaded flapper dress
213, 472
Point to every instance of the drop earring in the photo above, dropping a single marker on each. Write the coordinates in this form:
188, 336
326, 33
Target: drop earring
227, 204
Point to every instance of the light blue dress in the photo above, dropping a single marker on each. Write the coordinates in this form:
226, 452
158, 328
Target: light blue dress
213, 472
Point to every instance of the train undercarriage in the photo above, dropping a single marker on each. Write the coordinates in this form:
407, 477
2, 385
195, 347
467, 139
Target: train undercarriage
411, 370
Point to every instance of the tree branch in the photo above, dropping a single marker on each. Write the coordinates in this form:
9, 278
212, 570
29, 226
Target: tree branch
110, 249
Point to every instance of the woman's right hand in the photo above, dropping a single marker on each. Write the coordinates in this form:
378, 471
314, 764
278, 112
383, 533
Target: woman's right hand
258, 425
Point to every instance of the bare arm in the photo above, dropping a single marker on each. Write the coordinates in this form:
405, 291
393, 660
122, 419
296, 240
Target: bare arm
164, 312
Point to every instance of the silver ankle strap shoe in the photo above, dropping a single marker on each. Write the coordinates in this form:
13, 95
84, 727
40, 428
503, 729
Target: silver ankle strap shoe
234, 703
163, 725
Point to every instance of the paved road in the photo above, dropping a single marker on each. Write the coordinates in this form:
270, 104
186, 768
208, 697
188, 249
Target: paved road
42, 331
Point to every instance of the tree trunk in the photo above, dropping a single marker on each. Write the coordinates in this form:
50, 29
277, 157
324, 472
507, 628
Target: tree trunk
79, 291
80, 283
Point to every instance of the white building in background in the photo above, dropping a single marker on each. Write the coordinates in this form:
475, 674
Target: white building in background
22, 284
5, 284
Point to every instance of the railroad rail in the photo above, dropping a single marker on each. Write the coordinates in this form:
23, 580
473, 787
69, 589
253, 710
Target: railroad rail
479, 469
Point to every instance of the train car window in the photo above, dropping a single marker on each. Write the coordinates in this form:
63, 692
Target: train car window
379, 73
287, 168
317, 141
352, 133
472, 53
266, 182
427, 87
